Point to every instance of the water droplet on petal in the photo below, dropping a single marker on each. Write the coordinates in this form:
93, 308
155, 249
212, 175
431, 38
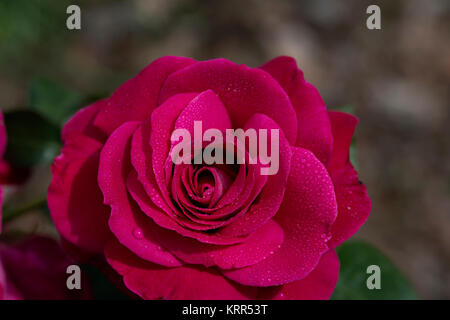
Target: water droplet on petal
138, 234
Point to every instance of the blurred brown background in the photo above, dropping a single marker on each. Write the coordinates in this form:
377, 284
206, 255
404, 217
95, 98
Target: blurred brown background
396, 80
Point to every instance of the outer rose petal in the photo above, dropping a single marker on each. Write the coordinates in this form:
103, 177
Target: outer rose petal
151, 281
136, 98
353, 201
314, 132
74, 198
243, 90
126, 221
318, 285
343, 126
36, 268
258, 246
306, 215
82, 123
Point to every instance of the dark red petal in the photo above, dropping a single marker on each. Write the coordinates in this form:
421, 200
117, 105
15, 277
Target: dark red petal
127, 223
82, 123
136, 98
74, 198
271, 196
306, 215
343, 126
244, 91
353, 201
151, 281
318, 285
314, 132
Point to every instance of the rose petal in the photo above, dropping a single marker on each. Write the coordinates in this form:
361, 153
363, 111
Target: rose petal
306, 215
142, 153
254, 249
166, 222
127, 223
353, 201
151, 281
343, 126
136, 98
207, 108
318, 285
243, 90
74, 198
82, 123
314, 132
271, 196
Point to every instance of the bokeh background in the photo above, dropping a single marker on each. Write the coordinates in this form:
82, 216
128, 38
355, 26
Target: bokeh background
396, 80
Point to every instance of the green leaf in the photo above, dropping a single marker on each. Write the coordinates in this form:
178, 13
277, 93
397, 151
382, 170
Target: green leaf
355, 257
31, 139
53, 101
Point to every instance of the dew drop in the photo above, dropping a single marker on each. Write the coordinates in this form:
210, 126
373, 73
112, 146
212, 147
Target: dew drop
138, 234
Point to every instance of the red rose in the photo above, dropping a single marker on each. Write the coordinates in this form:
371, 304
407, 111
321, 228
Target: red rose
210, 231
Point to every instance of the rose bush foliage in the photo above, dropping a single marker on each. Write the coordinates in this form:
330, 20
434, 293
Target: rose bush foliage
210, 231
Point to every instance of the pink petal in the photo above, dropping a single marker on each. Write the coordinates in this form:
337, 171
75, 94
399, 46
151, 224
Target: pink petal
167, 222
271, 196
136, 98
127, 223
257, 247
354, 204
314, 132
208, 109
243, 90
162, 125
306, 215
318, 285
142, 153
74, 198
82, 123
151, 281
343, 126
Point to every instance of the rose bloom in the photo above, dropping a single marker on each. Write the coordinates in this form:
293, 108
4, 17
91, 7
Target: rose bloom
210, 231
